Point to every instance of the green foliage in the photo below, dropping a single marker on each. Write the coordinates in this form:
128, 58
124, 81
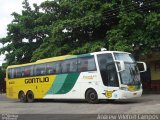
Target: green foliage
2, 78
96, 46
137, 29
62, 27
79, 28
25, 34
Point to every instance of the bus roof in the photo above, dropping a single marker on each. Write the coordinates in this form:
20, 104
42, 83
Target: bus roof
63, 57
42, 61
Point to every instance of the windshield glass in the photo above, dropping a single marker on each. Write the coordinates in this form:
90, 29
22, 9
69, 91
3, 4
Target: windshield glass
124, 57
131, 75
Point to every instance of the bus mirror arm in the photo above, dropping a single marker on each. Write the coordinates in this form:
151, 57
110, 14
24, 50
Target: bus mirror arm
144, 66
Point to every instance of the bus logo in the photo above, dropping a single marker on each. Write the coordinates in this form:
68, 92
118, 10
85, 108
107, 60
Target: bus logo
36, 80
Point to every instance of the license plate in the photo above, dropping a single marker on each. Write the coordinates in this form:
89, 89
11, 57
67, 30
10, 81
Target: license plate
131, 88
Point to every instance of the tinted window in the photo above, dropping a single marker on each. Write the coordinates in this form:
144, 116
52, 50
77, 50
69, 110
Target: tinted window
40, 69
53, 68
124, 56
10, 73
69, 66
18, 72
107, 69
86, 64
27, 71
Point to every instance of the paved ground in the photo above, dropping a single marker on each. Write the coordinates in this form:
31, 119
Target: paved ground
147, 104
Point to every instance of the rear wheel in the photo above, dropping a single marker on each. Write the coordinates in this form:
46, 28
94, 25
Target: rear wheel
30, 96
22, 97
91, 96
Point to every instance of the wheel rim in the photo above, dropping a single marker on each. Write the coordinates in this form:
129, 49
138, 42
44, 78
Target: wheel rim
30, 96
92, 96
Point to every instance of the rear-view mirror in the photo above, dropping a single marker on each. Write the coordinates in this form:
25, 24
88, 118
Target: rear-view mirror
142, 66
120, 65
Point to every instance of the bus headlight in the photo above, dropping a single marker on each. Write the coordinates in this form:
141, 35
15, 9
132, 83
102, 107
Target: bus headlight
124, 88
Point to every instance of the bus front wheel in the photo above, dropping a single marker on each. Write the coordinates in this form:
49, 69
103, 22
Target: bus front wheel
91, 96
30, 96
22, 96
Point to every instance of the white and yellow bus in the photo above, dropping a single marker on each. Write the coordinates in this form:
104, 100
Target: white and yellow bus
94, 76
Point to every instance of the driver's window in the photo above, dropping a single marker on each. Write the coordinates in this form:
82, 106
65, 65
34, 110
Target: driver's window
107, 69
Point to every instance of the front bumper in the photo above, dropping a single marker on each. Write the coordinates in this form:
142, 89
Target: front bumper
122, 94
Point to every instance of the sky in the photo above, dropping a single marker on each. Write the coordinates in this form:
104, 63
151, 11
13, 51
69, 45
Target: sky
7, 7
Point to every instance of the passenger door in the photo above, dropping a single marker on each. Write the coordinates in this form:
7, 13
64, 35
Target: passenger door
108, 72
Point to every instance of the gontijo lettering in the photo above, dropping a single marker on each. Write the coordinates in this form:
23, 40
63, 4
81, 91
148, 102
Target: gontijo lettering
36, 80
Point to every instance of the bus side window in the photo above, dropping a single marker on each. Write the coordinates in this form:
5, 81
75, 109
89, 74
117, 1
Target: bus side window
65, 66
27, 71
86, 64
91, 64
58, 67
73, 65
18, 72
40, 69
10, 73
69, 66
51, 68
14, 73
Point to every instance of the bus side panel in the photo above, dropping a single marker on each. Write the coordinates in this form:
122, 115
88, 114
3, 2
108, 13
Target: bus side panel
92, 80
84, 81
63, 85
38, 87
11, 89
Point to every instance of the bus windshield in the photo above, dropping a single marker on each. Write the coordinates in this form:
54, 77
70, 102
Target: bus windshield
131, 75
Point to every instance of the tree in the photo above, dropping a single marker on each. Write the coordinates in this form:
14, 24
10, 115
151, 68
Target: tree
81, 26
2, 80
25, 34
78, 27
137, 30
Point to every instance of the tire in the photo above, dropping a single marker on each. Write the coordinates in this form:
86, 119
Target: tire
22, 97
91, 96
30, 97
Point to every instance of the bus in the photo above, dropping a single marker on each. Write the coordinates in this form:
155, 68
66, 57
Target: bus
109, 75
